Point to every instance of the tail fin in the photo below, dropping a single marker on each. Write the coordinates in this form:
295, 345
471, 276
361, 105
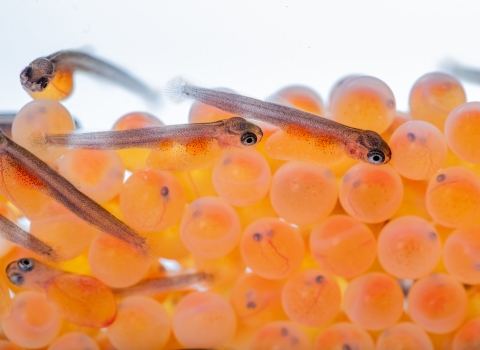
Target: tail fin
176, 90
450, 66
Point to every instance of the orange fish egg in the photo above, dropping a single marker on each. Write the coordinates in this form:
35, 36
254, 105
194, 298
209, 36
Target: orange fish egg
280, 335
242, 177
116, 263
461, 131
343, 336
466, 338
337, 85
97, 173
303, 193
302, 97
204, 320
461, 255
311, 298
74, 341
33, 323
363, 102
406, 336
343, 246
437, 303
374, 301
202, 113
409, 247
135, 159
434, 96
210, 228
40, 117
371, 193
453, 197
63, 230
419, 150
152, 200
257, 300
272, 248
141, 323
8, 345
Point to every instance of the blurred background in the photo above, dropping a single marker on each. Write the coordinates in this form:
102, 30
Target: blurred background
252, 47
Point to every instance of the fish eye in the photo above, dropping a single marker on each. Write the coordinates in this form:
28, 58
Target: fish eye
43, 82
26, 264
28, 72
248, 139
375, 157
16, 279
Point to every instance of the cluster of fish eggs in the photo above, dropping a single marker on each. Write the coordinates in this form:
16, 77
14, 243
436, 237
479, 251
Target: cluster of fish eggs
299, 255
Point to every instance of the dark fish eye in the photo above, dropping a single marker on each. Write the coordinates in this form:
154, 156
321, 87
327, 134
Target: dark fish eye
28, 72
375, 157
16, 279
43, 82
164, 191
26, 264
257, 237
248, 139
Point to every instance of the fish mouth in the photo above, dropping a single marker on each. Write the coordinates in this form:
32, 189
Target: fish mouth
27, 84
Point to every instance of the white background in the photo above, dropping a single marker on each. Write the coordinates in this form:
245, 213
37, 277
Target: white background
253, 47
